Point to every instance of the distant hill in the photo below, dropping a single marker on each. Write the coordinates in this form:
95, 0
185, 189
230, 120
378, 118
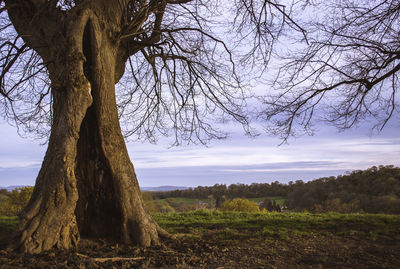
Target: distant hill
164, 188
10, 188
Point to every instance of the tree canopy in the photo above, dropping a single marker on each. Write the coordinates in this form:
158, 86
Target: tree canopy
347, 73
187, 64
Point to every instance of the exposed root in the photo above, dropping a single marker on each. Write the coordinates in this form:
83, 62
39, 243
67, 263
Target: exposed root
164, 234
112, 259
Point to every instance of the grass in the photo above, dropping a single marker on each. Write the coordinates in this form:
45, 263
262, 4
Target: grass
7, 226
281, 225
277, 226
279, 200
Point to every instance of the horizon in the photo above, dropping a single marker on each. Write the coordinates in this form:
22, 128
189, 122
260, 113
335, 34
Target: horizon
175, 187
236, 160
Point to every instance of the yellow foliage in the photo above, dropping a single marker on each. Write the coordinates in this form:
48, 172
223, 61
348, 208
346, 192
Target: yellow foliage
239, 204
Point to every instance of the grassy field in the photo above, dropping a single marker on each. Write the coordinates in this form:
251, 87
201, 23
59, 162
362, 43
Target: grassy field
7, 226
212, 239
279, 200
181, 200
275, 225
281, 225
180, 204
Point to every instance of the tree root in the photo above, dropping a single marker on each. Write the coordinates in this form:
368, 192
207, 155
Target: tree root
164, 234
112, 259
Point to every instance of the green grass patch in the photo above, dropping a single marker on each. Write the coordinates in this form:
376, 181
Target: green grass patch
279, 200
189, 201
7, 226
282, 225
230, 226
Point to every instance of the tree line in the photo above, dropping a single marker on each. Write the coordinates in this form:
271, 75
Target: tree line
254, 190
374, 190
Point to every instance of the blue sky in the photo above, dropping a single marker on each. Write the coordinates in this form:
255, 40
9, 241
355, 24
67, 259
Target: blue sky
238, 159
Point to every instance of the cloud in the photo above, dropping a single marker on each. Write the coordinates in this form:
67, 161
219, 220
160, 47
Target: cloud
286, 166
210, 175
238, 159
261, 160
264, 151
19, 165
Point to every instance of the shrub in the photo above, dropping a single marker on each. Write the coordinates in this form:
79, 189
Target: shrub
241, 205
16, 201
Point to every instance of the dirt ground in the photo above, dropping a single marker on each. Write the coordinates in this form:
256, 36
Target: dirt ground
208, 251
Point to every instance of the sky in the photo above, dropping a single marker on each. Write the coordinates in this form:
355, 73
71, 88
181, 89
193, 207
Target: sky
238, 159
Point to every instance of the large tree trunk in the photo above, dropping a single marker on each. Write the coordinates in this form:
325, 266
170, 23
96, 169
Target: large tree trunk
87, 185
110, 202
49, 219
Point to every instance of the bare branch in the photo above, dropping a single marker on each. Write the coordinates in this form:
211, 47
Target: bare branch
352, 61
187, 63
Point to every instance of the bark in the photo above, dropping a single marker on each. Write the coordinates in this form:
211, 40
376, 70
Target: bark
110, 201
42, 225
87, 184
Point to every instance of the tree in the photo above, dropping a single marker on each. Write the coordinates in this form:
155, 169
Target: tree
60, 61
241, 205
219, 201
347, 73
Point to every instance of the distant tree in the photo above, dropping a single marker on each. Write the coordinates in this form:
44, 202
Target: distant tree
275, 206
270, 205
374, 190
16, 201
334, 205
212, 202
164, 207
3, 195
266, 204
218, 190
241, 205
219, 201
346, 73
254, 190
3, 192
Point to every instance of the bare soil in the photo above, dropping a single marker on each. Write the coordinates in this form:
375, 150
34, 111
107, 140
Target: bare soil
211, 250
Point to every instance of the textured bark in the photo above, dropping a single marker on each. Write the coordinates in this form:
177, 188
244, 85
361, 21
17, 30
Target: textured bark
49, 219
87, 184
110, 202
